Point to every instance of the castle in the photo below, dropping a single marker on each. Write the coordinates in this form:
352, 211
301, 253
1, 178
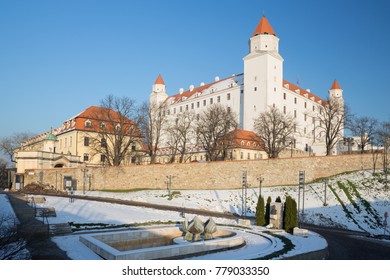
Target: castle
259, 88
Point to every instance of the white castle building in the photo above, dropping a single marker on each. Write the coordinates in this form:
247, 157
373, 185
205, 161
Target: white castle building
260, 87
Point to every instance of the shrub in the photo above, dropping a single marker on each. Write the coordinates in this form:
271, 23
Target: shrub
290, 219
260, 217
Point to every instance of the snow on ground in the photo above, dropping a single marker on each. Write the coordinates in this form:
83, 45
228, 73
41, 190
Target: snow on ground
355, 201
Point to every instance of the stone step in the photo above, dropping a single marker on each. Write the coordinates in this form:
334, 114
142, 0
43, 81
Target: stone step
60, 229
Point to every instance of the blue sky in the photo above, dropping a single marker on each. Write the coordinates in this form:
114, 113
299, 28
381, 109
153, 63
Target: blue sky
59, 57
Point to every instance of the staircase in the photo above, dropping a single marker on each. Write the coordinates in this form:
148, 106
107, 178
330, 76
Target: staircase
60, 229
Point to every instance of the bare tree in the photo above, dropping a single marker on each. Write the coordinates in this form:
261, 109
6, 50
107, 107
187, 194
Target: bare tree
212, 128
3, 174
12, 244
117, 131
383, 134
276, 129
10, 143
363, 128
332, 117
180, 132
152, 127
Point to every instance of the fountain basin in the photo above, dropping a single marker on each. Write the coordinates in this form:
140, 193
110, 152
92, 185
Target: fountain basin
157, 243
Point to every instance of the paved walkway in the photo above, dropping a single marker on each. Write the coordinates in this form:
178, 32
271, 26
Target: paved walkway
35, 231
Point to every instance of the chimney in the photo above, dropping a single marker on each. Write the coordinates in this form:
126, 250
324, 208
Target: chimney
181, 90
191, 87
202, 84
216, 78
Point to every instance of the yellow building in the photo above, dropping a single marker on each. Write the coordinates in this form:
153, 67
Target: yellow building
84, 140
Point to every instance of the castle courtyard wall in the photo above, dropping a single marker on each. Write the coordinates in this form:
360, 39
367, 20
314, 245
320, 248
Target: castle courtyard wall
207, 175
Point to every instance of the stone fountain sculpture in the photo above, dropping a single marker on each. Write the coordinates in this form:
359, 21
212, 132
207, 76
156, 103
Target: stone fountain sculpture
210, 228
194, 230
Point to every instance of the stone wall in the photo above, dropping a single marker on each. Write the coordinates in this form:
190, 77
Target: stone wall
208, 175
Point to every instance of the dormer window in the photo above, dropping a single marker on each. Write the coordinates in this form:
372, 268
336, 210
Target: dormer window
118, 127
103, 125
88, 123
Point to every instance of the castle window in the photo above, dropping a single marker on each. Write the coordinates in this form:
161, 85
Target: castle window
211, 101
86, 157
192, 105
255, 89
86, 141
218, 99
204, 102
174, 110
242, 155
284, 109
284, 95
228, 96
169, 112
249, 155
181, 109
103, 143
187, 107
305, 117
103, 158
295, 113
295, 100
305, 104
197, 104
314, 108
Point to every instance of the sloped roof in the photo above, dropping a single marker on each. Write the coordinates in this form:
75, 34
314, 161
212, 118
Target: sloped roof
303, 92
335, 85
159, 80
263, 27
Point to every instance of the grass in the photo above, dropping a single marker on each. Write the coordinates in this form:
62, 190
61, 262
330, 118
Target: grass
348, 194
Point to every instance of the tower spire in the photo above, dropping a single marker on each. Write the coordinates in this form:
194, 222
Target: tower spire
264, 27
159, 80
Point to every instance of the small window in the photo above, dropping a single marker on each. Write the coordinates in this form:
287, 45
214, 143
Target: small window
187, 107
295, 113
88, 123
86, 157
249, 156
181, 109
197, 104
255, 89
211, 101
103, 143
284, 109
192, 105
86, 141
314, 108
103, 158
218, 99
242, 155
305, 105
174, 110
204, 102
295, 100
284, 95
228, 96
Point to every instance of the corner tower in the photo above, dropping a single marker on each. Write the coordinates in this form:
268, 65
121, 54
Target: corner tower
159, 93
263, 73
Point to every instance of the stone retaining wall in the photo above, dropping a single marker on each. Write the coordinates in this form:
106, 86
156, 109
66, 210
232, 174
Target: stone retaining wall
208, 175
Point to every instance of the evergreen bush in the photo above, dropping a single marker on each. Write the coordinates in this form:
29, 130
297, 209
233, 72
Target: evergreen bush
260, 217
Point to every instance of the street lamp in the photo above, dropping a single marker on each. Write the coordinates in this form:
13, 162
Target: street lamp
84, 170
260, 179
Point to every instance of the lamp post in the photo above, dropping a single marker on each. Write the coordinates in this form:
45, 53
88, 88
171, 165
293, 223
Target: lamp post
260, 179
84, 170
325, 185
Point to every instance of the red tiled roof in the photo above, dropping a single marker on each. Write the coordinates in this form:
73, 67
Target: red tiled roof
159, 80
187, 94
264, 27
335, 85
245, 139
303, 92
